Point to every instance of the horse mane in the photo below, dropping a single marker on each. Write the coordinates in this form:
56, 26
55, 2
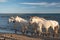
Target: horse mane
39, 18
12, 17
21, 18
43, 19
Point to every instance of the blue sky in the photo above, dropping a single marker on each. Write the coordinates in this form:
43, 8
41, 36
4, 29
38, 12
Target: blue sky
29, 6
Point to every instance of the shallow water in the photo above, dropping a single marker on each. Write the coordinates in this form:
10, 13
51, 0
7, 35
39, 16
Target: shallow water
6, 31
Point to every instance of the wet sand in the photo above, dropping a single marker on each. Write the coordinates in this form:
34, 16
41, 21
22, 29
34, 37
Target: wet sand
6, 36
17, 37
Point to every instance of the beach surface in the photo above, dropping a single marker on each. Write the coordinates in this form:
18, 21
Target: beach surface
9, 36
16, 37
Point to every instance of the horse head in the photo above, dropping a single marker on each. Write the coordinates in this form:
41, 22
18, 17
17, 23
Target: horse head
34, 19
11, 19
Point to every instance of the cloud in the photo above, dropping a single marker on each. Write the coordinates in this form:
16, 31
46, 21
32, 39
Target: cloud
35, 3
28, 7
46, 4
3, 0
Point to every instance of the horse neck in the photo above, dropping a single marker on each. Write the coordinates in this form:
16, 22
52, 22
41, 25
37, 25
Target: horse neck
42, 20
38, 20
23, 20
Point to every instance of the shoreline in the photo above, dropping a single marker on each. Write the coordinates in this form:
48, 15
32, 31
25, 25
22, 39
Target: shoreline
10, 36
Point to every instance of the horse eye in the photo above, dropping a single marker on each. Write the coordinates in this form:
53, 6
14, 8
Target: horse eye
13, 21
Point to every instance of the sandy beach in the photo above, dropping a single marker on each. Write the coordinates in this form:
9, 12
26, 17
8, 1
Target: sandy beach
16, 37
6, 36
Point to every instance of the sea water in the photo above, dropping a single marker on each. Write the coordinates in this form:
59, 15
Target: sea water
5, 27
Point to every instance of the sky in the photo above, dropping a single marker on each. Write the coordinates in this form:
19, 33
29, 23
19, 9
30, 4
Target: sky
29, 6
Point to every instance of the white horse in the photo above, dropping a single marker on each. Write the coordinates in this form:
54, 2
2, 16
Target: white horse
46, 23
22, 22
50, 23
37, 26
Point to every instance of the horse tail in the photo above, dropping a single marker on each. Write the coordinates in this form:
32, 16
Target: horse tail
58, 26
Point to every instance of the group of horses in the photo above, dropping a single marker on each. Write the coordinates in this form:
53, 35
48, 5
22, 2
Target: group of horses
36, 23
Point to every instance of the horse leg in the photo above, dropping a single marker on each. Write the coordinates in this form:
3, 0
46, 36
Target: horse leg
23, 30
40, 31
56, 31
47, 31
15, 31
35, 32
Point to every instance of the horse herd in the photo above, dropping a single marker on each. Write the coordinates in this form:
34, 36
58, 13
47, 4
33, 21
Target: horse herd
36, 24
